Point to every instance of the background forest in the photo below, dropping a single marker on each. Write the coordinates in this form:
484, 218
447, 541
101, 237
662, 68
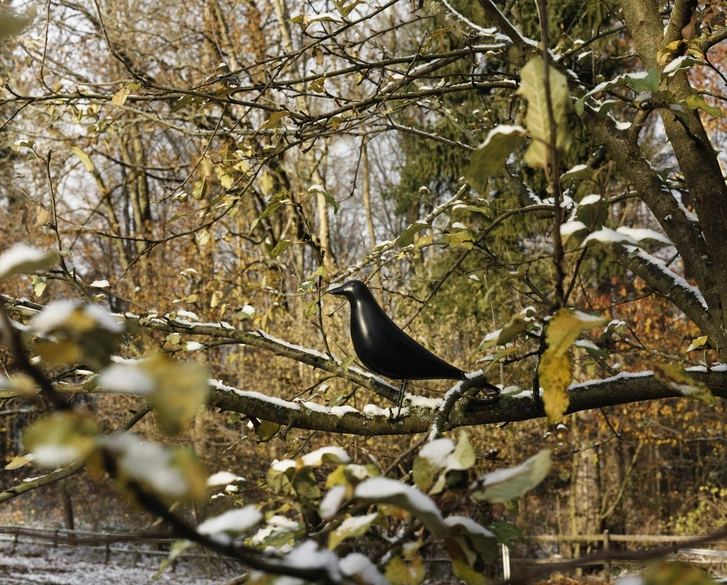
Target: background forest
533, 189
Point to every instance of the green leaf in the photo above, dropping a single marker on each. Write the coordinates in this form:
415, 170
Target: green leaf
506, 532
274, 204
279, 248
504, 485
695, 101
306, 486
85, 159
12, 24
267, 430
516, 325
492, 154
537, 120
471, 547
407, 236
318, 190
462, 239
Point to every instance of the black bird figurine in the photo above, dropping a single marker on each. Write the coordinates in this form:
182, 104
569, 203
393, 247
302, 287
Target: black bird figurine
384, 348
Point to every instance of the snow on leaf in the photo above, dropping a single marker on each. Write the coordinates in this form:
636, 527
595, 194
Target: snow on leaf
126, 378
232, 521
24, 259
608, 236
644, 235
492, 154
678, 380
332, 501
61, 438
223, 478
361, 569
330, 454
555, 366
173, 473
351, 527
508, 484
396, 493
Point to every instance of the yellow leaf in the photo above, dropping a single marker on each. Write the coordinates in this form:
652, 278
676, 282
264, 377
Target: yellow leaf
120, 96
85, 159
678, 380
565, 327
180, 392
698, 343
555, 377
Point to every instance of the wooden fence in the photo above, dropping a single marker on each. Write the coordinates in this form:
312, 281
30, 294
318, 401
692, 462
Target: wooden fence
713, 558
156, 545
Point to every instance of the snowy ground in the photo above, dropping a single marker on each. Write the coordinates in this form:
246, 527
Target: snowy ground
33, 564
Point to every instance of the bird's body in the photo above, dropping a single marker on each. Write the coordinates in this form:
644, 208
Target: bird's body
383, 347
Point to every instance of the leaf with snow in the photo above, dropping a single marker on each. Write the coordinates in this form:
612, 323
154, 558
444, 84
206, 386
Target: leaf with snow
70, 332
678, 380
516, 325
645, 81
174, 474
24, 259
608, 236
441, 458
555, 367
389, 491
232, 522
361, 570
330, 454
318, 190
61, 438
470, 546
351, 527
644, 235
180, 392
504, 485
407, 236
492, 154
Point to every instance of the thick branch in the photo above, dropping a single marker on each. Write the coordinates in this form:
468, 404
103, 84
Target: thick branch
622, 389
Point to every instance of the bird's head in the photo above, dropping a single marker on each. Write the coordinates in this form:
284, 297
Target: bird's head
351, 290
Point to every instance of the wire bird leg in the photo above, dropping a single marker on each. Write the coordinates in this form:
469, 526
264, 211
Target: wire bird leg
400, 401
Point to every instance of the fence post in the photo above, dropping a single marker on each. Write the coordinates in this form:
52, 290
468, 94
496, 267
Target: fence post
606, 552
505, 561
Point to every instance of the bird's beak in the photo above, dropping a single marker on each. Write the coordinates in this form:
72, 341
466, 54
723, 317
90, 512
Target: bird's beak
335, 291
